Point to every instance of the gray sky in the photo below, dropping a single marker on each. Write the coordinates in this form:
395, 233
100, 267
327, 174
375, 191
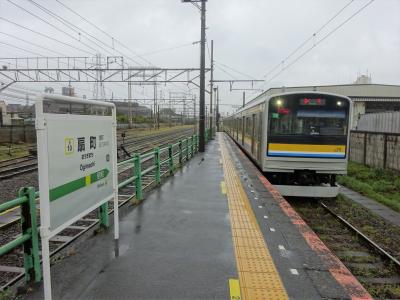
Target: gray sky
250, 36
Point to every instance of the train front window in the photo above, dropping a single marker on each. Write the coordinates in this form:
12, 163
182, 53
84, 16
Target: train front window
308, 115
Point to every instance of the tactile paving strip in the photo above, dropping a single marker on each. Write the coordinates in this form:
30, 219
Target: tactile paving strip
258, 276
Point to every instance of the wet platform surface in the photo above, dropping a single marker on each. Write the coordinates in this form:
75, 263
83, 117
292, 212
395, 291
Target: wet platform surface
184, 242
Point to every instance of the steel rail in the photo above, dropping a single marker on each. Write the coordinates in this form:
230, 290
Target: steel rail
373, 244
22, 169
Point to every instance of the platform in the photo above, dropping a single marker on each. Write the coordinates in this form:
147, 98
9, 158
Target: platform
216, 230
381, 210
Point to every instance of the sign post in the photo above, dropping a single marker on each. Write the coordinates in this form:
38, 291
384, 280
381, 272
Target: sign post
77, 160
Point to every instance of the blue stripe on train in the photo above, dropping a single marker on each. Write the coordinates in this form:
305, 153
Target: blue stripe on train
298, 154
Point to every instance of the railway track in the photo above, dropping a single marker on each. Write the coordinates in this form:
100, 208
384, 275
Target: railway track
11, 265
18, 166
377, 268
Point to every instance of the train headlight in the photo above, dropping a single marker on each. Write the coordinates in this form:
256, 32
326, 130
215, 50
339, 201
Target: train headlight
339, 103
279, 102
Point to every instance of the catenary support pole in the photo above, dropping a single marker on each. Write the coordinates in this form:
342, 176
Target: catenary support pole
202, 78
217, 109
211, 89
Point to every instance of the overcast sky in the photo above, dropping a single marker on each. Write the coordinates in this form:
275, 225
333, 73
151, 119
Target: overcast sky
251, 36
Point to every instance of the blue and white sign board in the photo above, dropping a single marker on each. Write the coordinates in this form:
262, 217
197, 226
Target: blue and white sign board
77, 160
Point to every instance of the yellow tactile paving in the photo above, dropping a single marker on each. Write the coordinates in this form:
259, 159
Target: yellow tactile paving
258, 277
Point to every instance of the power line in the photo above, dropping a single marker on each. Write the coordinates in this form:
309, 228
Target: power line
79, 30
239, 72
55, 27
17, 47
226, 72
46, 36
104, 32
110, 36
166, 49
321, 40
36, 45
308, 39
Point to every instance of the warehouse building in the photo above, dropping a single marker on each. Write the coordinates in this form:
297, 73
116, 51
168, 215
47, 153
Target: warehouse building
367, 97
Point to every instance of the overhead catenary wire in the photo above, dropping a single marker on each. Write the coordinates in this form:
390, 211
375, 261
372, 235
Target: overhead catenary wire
234, 70
45, 35
110, 36
308, 39
167, 49
53, 26
31, 43
104, 32
22, 49
320, 41
226, 72
79, 30
66, 23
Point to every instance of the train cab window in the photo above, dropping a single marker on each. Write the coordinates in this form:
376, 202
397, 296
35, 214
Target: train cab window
308, 115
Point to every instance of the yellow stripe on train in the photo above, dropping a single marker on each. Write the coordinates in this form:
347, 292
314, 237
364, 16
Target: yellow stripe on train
307, 148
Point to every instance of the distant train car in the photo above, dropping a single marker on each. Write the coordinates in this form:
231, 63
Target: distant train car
299, 140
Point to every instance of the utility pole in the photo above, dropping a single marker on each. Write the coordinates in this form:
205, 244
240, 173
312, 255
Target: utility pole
211, 89
184, 112
130, 105
169, 112
244, 99
202, 147
158, 117
217, 107
155, 107
195, 115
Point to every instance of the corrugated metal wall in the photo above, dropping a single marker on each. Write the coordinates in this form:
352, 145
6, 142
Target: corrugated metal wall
380, 122
378, 150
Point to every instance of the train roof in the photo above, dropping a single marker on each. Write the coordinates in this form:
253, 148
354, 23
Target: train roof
264, 97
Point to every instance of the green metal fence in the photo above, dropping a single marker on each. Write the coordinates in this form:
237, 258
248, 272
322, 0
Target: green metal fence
173, 156
29, 234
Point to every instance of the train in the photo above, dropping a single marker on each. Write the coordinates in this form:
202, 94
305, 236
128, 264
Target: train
299, 140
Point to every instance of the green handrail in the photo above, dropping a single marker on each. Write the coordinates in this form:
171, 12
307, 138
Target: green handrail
29, 238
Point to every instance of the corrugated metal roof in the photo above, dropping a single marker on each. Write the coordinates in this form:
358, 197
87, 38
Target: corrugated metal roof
375, 99
380, 122
350, 90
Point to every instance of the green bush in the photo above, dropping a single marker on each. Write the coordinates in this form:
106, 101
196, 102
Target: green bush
397, 183
379, 184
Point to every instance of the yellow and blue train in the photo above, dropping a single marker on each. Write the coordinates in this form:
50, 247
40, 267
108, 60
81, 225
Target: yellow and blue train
299, 140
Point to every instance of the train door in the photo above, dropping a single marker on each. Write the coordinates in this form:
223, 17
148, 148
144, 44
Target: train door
259, 135
236, 129
252, 133
243, 129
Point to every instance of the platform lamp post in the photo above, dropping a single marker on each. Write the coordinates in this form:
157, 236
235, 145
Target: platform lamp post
202, 8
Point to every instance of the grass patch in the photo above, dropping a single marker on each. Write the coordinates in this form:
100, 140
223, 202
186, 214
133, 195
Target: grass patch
381, 185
